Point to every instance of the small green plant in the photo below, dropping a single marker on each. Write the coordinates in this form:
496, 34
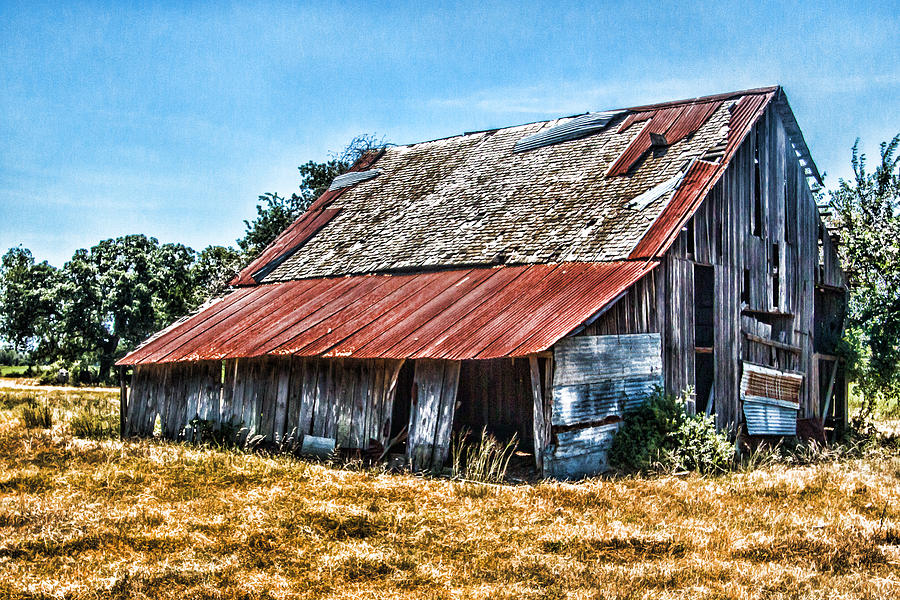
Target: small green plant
92, 423
659, 434
698, 446
484, 461
37, 415
646, 432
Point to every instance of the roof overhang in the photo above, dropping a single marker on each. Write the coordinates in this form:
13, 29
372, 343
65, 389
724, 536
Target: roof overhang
477, 313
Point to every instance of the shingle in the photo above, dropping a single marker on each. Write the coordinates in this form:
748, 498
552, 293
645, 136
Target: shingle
470, 200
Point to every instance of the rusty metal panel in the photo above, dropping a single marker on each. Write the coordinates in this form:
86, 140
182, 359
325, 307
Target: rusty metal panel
460, 314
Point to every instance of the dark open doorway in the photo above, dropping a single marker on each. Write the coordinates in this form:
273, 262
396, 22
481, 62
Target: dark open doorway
495, 395
704, 337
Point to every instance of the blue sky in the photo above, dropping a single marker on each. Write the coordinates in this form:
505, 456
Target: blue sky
171, 118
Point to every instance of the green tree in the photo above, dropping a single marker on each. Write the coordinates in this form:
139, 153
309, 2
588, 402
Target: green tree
274, 213
27, 304
866, 213
214, 268
107, 299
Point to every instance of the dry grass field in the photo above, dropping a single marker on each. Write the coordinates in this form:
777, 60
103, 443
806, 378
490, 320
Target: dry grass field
100, 518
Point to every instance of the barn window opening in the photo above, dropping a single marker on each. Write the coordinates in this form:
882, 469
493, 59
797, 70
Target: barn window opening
745, 288
757, 217
704, 336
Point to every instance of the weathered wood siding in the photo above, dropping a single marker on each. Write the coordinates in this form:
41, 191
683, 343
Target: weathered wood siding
595, 380
348, 400
766, 270
431, 415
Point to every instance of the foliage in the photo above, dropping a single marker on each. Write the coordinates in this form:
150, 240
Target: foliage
646, 432
26, 299
698, 446
866, 214
12, 357
275, 213
106, 299
214, 268
485, 461
660, 434
36, 415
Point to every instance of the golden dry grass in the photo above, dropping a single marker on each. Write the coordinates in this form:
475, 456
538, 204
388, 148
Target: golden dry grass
110, 519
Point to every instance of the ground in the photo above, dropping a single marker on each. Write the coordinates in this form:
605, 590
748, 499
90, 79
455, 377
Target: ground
102, 518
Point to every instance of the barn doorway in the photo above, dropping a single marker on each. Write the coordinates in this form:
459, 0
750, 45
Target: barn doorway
496, 396
704, 338
402, 404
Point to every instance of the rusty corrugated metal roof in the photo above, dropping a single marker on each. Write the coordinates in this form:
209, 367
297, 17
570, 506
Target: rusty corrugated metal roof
459, 314
701, 177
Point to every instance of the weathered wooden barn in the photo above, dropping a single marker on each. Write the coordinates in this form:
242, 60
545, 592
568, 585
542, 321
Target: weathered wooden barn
533, 280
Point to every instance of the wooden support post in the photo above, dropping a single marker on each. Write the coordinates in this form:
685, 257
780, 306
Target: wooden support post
829, 391
123, 401
538, 424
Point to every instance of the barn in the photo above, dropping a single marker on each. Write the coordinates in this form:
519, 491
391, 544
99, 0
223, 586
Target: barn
536, 281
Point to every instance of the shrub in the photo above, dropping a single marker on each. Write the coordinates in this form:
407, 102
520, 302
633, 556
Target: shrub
37, 415
93, 424
659, 434
645, 432
698, 446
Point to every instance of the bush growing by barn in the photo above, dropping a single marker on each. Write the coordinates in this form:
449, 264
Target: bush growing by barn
659, 434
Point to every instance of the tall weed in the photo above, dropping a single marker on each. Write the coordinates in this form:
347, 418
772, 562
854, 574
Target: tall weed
485, 460
37, 415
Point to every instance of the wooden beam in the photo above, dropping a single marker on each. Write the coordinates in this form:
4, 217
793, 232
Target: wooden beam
123, 401
829, 391
772, 343
538, 422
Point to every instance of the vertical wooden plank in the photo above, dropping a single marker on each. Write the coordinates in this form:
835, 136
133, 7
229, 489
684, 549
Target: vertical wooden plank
227, 404
308, 403
332, 374
236, 417
295, 399
446, 410
538, 415
360, 405
283, 374
432, 415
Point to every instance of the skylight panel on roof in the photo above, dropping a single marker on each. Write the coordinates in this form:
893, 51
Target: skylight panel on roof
352, 178
655, 193
578, 127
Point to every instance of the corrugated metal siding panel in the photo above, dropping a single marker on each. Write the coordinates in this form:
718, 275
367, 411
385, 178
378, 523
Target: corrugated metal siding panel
460, 314
771, 400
